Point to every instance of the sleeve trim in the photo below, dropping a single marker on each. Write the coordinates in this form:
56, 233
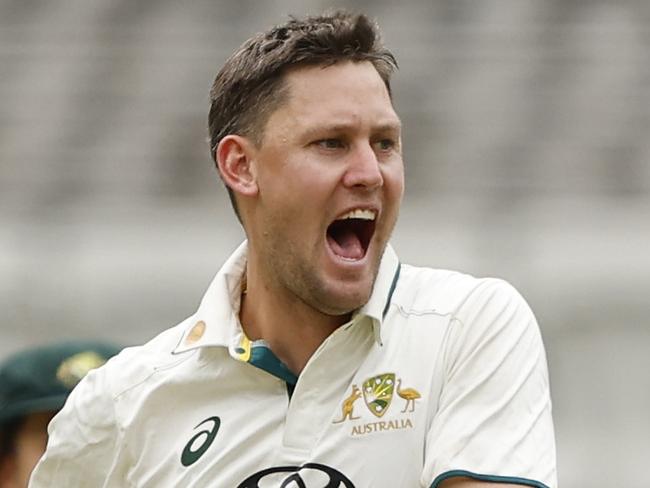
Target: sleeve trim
486, 477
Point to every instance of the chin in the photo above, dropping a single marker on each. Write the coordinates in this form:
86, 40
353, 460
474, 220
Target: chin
345, 299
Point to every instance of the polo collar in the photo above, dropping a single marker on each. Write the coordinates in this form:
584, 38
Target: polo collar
377, 307
216, 322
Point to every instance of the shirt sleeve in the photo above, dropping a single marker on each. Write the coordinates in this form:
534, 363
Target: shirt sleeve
493, 421
83, 436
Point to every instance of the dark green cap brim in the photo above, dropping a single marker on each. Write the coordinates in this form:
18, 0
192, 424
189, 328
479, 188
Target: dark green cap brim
40, 379
27, 407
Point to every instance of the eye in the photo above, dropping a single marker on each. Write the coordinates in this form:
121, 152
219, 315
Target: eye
385, 144
330, 144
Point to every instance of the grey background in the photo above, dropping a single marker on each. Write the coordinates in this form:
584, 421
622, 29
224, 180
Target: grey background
527, 148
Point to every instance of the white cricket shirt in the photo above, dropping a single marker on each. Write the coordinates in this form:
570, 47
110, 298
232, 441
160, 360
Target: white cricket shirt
439, 375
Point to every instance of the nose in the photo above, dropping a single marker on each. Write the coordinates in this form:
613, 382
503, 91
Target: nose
363, 170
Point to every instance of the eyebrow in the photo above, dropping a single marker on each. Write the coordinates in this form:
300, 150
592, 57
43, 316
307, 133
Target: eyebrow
393, 126
389, 126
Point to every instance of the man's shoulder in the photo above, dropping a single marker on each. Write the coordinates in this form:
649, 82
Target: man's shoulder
444, 290
135, 364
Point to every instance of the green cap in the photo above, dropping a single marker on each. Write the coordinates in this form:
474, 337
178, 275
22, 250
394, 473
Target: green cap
41, 378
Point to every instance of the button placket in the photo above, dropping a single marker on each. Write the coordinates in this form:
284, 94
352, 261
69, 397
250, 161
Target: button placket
323, 382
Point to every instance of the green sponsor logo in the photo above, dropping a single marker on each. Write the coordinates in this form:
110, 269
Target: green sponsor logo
378, 393
200, 442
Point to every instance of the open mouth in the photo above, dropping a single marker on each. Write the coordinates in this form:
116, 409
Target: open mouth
350, 235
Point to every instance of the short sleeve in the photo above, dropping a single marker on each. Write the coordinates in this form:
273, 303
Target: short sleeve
82, 439
493, 421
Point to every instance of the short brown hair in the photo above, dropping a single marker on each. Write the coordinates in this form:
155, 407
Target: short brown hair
249, 87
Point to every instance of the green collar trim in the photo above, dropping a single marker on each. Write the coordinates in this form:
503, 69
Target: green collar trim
393, 285
487, 477
262, 357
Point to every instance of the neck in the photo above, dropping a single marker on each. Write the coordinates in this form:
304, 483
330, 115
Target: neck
292, 329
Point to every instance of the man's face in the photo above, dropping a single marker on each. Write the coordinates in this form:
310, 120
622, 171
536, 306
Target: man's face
29, 446
330, 177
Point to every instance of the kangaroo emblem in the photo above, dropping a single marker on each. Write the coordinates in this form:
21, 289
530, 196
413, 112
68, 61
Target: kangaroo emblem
348, 405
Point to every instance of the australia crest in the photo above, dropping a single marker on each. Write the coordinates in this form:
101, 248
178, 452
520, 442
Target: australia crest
378, 393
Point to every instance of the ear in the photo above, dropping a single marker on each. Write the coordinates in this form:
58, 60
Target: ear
234, 156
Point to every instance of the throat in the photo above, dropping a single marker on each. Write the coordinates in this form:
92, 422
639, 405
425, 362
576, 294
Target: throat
292, 330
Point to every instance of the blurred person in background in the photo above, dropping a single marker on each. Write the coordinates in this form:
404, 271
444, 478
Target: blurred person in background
316, 358
34, 385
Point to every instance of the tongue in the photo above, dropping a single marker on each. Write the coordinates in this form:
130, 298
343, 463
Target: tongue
346, 244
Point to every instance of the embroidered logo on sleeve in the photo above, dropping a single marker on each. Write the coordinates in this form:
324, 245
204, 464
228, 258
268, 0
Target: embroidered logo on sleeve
200, 442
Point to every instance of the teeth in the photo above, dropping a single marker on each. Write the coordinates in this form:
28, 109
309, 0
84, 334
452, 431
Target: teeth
359, 214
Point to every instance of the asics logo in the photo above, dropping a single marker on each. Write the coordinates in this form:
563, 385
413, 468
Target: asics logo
200, 442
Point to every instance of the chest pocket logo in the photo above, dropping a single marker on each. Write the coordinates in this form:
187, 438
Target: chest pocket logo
200, 442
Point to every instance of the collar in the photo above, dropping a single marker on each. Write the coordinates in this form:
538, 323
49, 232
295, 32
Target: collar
377, 307
216, 322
